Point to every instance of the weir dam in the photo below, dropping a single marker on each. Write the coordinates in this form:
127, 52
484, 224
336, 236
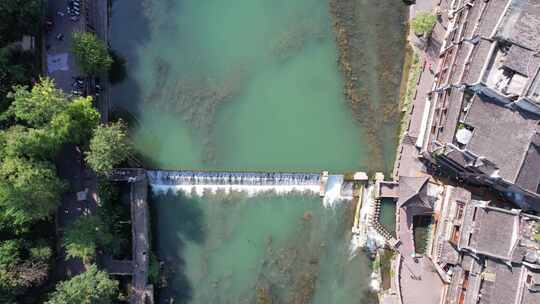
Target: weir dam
331, 187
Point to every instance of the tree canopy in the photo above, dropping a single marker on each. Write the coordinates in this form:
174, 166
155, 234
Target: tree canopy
19, 17
76, 122
11, 73
109, 146
39, 105
20, 141
91, 54
423, 23
29, 190
85, 235
48, 108
22, 266
91, 287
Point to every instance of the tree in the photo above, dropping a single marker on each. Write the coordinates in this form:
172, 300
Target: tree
11, 73
48, 108
29, 190
90, 287
19, 141
22, 267
108, 147
9, 253
18, 17
423, 23
76, 122
38, 106
84, 236
91, 54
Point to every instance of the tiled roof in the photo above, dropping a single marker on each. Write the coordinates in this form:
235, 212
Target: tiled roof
501, 134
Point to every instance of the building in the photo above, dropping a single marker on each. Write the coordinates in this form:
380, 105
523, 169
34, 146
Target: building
495, 255
482, 125
478, 135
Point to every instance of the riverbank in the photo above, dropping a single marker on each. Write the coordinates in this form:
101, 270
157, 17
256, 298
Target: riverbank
419, 81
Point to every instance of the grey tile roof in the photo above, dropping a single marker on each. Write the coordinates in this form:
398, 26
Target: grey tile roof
459, 62
502, 135
449, 254
521, 24
521, 60
506, 286
529, 175
478, 57
494, 232
409, 187
453, 110
472, 18
491, 16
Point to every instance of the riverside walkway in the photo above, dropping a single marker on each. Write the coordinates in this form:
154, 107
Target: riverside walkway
138, 267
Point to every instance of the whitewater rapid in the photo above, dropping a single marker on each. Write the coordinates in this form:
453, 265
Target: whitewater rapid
192, 183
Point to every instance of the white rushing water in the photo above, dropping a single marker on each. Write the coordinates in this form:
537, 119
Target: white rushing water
193, 183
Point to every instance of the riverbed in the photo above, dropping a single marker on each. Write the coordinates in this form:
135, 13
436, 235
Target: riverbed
253, 85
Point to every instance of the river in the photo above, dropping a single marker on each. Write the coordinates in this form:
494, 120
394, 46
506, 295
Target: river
256, 85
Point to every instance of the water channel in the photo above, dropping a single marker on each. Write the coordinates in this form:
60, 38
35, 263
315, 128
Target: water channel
255, 85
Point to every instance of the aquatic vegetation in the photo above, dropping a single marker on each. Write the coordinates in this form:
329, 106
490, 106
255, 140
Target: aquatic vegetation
264, 296
195, 100
295, 37
371, 82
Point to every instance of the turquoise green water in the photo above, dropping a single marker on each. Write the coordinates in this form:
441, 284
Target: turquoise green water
237, 85
244, 85
388, 214
232, 249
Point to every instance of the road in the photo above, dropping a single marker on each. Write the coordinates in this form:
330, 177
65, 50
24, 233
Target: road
69, 162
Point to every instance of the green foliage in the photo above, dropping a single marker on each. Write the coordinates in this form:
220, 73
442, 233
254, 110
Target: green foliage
9, 253
76, 122
41, 252
108, 147
22, 267
423, 23
90, 287
58, 119
153, 269
29, 190
107, 192
12, 72
91, 53
85, 235
19, 141
415, 69
536, 232
38, 106
18, 17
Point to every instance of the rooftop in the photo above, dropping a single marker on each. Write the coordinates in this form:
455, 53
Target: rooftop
521, 23
495, 233
507, 137
501, 283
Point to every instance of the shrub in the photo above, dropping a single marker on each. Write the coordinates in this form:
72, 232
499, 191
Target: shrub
423, 23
